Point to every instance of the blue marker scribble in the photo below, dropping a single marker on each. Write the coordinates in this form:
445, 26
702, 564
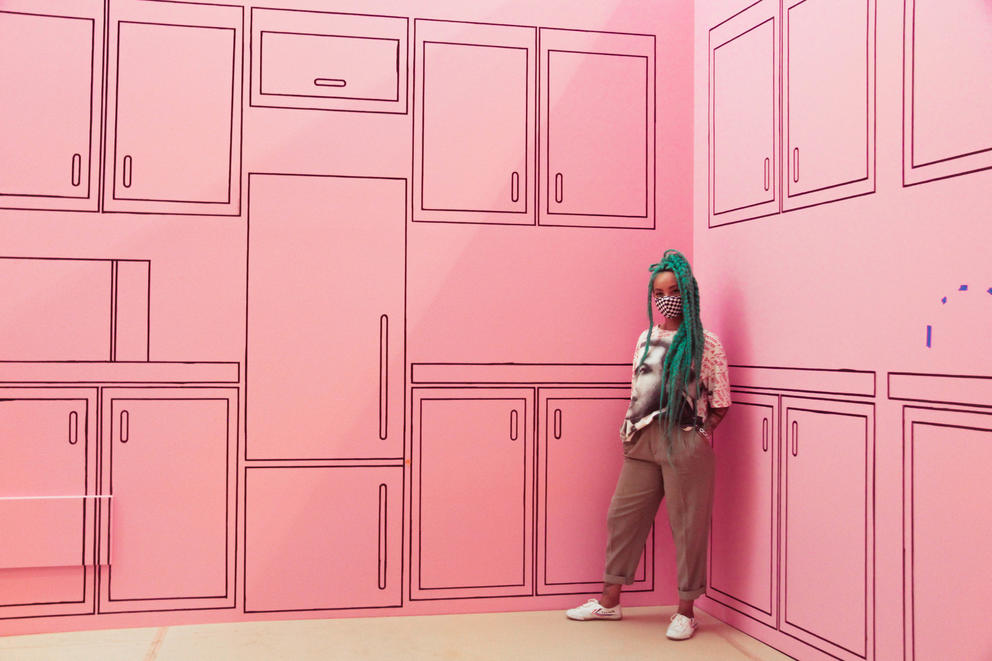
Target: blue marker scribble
944, 300
989, 290
929, 334
963, 288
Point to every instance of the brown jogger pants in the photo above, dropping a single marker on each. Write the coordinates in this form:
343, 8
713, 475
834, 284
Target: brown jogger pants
685, 478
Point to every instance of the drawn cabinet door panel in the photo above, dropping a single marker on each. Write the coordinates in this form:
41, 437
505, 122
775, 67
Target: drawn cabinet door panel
743, 535
47, 509
473, 493
743, 115
169, 457
947, 96
51, 72
597, 125
579, 459
339, 549
325, 317
174, 123
827, 532
948, 527
828, 87
474, 100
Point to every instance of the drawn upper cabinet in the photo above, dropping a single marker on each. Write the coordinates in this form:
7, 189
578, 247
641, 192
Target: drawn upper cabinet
828, 91
743, 115
474, 91
328, 61
947, 96
597, 124
174, 123
51, 70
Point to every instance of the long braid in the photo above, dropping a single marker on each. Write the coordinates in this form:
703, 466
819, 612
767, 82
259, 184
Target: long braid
686, 351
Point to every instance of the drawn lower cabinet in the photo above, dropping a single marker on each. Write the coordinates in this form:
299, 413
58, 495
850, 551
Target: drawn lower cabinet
946, 453
947, 99
47, 504
743, 115
579, 458
322, 537
169, 457
474, 122
473, 493
597, 125
325, 317
827, 577
828, 88
174, 123
51, 71
745, 515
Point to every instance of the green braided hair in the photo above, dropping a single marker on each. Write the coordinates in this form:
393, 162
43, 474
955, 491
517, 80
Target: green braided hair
686, 350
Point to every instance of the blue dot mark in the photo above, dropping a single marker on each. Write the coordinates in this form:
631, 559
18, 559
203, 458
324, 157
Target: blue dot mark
929, 334
989, 290
944, 300
963, 288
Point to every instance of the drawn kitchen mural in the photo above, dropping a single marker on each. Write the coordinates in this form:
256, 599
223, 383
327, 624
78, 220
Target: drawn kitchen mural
330, 311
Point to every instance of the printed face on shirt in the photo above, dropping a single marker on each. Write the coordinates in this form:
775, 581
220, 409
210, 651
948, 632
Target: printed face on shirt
645, 392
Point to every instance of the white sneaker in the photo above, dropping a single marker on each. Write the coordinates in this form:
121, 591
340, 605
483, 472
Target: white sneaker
682, 627
591, 610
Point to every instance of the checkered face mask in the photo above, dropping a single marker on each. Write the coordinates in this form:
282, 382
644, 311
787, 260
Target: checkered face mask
669, 306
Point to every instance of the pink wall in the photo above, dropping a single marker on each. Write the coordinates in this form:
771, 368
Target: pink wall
159, 467
843, 261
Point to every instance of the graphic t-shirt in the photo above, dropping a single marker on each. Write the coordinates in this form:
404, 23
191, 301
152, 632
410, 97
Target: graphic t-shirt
711, 390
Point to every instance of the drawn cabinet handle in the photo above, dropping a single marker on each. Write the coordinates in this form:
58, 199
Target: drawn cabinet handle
382, 548
557, 423
77, 169
795, 164
383, 376
795, 438
764, 434
126, 174
73, 427
515, 186
124, 425
768, 165
559, 188
329, 82
513, 424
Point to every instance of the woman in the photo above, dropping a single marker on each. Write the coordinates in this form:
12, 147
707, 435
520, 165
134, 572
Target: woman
679, 393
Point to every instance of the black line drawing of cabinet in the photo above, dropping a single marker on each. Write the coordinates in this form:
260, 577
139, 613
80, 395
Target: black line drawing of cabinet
828, 101
328, 61
48, 464
947, 98
51, 74
174, 123
744, 115
597, 129
474, 123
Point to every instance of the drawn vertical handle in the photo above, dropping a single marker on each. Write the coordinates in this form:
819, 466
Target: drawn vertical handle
764, 434
77, 169
125, 418
73, 427
767, 172
126, 175
383, 376
795, 164
795, 438
382, 536
557, 423
559, 188
515, 186
513, 425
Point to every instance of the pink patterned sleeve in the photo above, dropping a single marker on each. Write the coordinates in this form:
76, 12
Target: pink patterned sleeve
715, 373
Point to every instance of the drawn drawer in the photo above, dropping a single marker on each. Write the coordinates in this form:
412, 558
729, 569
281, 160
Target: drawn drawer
327, 61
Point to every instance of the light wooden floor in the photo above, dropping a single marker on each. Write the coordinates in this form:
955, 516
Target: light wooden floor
544, 636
